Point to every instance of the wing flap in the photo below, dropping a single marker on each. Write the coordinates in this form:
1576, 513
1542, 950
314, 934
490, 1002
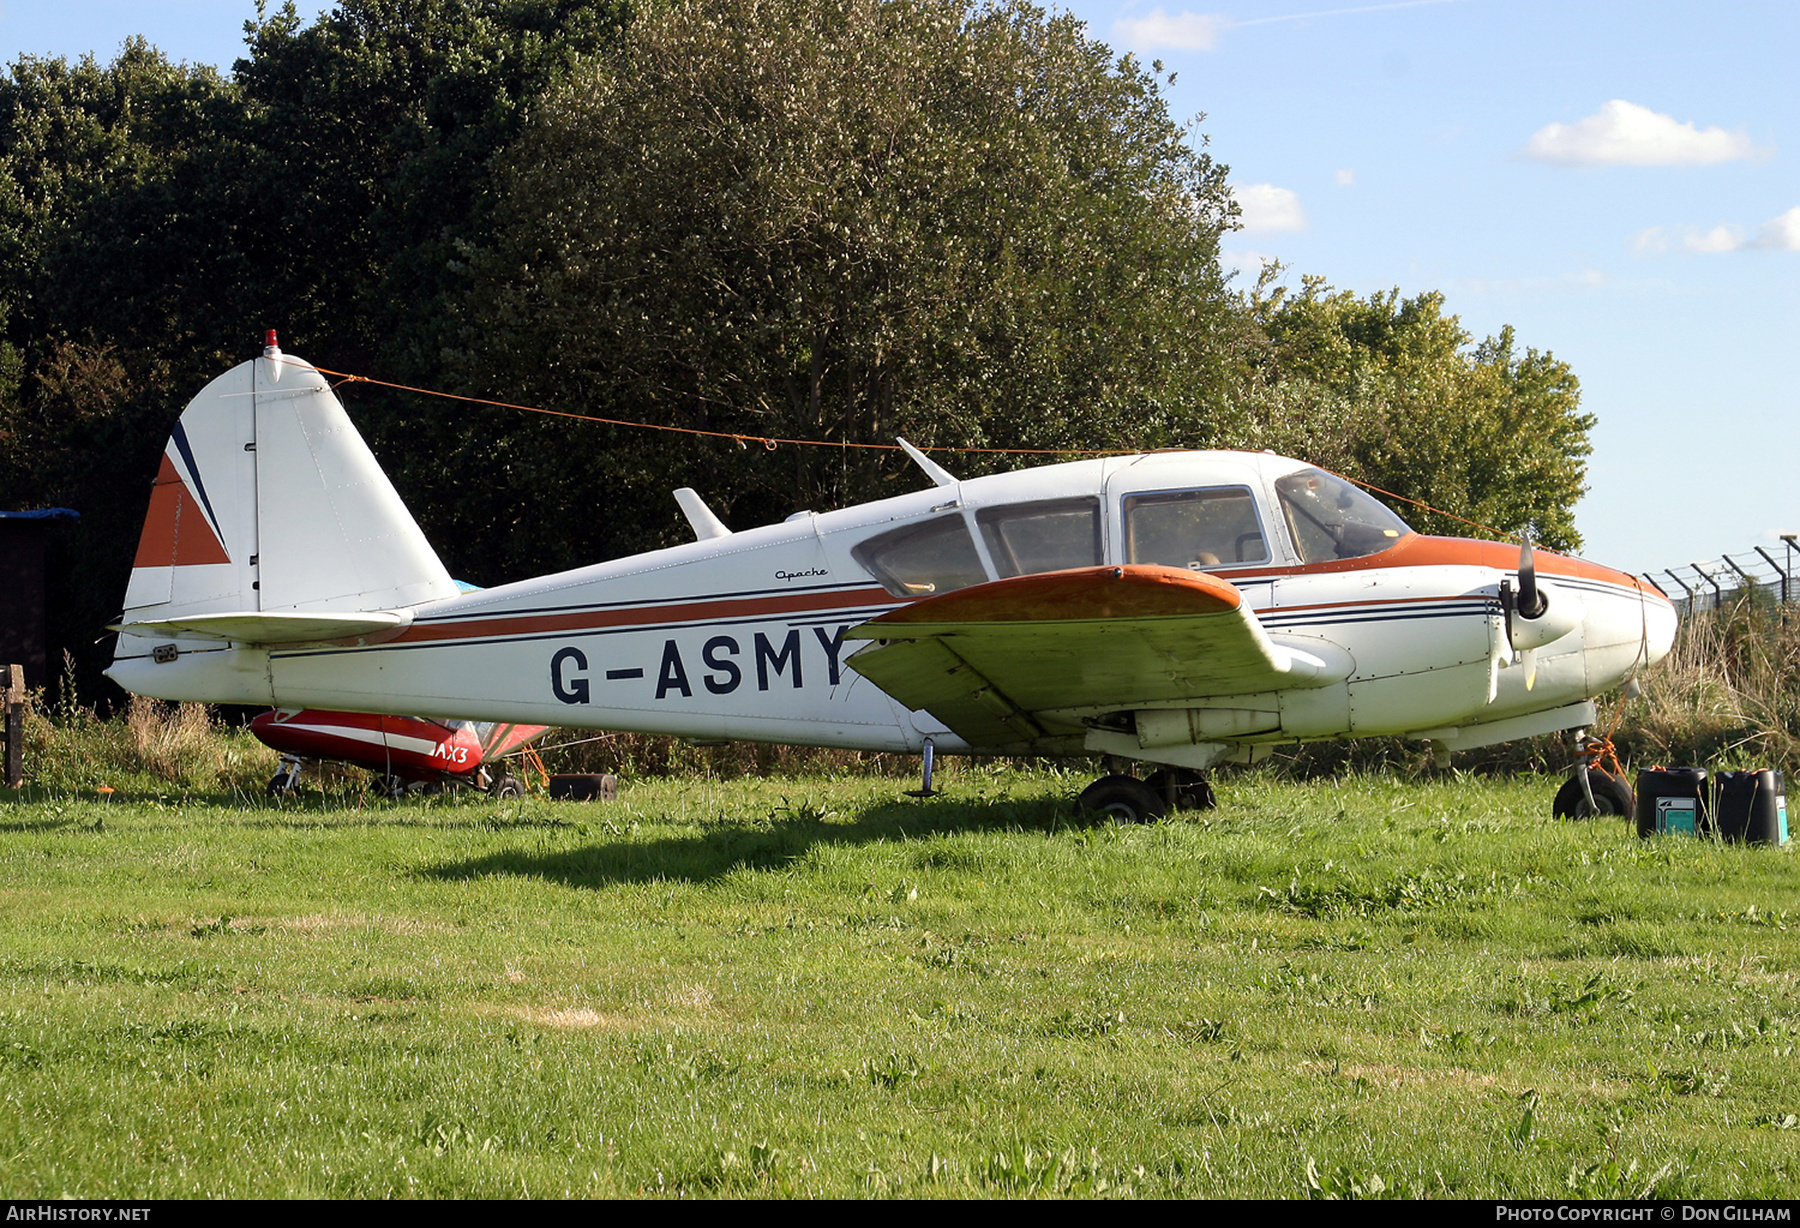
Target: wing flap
928, 674
996, 660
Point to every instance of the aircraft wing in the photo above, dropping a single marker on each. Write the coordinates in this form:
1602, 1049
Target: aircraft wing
990, 660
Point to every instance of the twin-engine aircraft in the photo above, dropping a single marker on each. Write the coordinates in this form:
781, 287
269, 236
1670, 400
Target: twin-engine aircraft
1175, 609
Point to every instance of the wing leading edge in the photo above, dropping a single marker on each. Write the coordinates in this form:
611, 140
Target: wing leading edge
1001, 663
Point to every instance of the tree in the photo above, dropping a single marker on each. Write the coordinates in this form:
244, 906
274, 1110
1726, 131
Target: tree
155, 217
843, 220
1396, 393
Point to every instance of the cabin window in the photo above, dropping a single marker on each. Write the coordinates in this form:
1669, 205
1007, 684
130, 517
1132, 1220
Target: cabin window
1197, 529
1028, 538
1332, 519
922, 560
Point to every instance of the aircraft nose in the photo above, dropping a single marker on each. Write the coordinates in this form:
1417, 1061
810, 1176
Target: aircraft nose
1634, 629
1659, 624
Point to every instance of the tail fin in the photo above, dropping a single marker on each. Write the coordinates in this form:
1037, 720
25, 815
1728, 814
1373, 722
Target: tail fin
270, 521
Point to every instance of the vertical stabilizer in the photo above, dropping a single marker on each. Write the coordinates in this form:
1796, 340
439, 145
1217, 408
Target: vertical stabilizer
269, 501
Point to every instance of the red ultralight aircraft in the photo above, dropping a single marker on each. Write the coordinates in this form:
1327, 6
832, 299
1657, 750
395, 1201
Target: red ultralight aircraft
401, 750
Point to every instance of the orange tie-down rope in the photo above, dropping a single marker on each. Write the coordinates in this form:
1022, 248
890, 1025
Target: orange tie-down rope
1602, 748
772, 441
531, 757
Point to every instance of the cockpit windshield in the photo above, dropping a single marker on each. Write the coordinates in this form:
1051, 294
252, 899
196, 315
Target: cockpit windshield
1331, 519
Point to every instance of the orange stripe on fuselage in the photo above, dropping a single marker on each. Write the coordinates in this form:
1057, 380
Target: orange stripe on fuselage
1418, 550
175, 530
497, 626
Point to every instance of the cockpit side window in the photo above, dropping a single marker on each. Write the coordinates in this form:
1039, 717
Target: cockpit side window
1332, 519
922, 560
1026, 538
1197, 529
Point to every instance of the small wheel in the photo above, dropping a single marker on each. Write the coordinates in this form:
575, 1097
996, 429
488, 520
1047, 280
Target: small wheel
507, 786
390, 786
1612, 796
1193, 790
286, 780
1124, 799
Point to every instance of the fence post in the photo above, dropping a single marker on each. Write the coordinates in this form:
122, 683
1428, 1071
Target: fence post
1779, 570
15, 726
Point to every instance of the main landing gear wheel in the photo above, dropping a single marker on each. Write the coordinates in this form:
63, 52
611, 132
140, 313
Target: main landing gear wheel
507, 786
286, 781
1612, 797
1192, 790
1123, 799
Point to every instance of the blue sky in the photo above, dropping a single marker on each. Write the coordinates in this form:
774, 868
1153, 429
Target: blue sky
1616, 180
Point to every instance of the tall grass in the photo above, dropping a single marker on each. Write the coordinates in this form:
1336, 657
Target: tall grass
151, 746
1728, 693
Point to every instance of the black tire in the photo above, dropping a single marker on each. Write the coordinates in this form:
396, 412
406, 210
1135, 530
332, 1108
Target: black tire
282, 785
1123, 799
1612, 797
1193, 790
507, 786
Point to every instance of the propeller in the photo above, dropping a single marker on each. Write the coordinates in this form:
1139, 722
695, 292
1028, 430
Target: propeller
1531, 604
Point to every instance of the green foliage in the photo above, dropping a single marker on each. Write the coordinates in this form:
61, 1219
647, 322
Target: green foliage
154, 217
1395, 393
966, 225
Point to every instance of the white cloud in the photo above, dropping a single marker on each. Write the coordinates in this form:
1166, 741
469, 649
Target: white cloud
1185, 31
1718, 239
1624, 134
1780, 234
1267, 208
1345, 177
1246, 261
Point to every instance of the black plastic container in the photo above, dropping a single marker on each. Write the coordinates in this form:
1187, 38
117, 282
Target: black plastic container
1672, 801
1752, 806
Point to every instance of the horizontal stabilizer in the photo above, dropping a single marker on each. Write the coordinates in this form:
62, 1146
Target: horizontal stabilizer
277, 627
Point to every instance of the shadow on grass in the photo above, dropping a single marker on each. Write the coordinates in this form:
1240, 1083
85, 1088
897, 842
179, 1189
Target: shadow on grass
770, 845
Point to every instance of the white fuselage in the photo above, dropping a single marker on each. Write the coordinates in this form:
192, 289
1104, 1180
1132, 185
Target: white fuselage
742, 636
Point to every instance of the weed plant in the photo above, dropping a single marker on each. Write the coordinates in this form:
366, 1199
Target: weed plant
1728, 694
813, 986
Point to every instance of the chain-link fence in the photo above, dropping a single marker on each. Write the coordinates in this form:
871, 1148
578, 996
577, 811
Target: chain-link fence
1767, 573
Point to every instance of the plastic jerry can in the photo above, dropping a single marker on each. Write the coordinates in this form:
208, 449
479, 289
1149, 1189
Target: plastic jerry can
1672, 801
1752, 806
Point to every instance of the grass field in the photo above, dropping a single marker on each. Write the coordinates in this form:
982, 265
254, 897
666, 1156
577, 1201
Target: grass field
815, 986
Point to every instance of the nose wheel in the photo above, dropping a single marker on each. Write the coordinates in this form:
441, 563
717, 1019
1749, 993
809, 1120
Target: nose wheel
1591, 791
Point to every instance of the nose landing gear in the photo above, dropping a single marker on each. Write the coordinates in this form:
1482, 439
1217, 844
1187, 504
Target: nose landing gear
1591, 790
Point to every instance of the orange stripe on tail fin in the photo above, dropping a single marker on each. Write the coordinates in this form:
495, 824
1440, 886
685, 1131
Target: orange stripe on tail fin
176, 532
